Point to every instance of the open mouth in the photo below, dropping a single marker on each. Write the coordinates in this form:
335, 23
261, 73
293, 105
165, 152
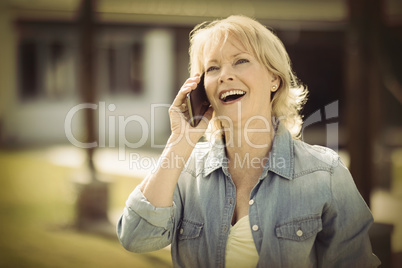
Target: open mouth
232, 95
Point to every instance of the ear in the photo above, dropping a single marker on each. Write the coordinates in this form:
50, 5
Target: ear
276, 83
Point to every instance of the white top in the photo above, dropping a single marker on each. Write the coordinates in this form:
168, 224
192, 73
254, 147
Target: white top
240, 247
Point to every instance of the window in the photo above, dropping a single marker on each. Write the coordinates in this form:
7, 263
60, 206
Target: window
125, 68
28, 69
47, 57
121, 60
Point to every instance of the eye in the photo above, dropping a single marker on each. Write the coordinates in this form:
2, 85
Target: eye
212, 68
240, 61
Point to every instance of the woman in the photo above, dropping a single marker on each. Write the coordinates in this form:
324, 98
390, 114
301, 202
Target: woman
253, 195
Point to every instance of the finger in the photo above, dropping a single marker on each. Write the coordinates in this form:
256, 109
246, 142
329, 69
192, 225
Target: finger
180, 109
192, 81
195, 79
185, 89
183, 107
190, 84
181, 96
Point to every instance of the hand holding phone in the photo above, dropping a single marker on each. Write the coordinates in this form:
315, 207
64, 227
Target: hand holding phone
197, 103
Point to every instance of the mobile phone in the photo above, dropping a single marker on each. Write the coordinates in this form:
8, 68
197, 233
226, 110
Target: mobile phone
197, 103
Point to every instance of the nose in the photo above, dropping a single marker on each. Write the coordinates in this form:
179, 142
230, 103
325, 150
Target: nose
226, 75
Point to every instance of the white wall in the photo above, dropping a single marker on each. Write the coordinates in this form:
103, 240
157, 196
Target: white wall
42, 121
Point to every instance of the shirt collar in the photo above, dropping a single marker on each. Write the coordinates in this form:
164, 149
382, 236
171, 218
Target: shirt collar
280, 160
281, 157
216, 156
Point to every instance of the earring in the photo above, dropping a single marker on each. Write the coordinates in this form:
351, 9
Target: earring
274, 87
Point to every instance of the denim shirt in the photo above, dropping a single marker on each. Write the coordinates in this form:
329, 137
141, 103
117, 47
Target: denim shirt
304, 211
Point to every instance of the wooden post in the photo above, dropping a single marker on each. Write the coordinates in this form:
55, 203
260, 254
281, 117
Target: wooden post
363, 91
86, 45
93, 196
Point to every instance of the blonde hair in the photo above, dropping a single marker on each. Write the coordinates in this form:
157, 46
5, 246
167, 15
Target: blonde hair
290, 97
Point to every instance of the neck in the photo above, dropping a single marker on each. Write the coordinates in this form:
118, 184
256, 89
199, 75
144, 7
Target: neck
251, 143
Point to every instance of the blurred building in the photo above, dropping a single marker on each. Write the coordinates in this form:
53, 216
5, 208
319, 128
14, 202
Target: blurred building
141, 59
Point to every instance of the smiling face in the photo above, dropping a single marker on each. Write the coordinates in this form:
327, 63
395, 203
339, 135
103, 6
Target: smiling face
237, 84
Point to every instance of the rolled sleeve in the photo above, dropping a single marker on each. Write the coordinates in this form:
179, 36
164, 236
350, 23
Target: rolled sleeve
139, 204
143, 227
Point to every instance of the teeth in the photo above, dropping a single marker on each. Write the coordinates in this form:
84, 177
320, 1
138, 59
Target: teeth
232, 92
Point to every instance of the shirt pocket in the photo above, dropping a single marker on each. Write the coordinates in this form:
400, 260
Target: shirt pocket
296, 239
189, 229
299, 229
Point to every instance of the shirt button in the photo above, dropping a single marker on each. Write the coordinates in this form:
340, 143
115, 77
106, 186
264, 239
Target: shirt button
225, 228
299, 233
181, 231
251, 202
255, 227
